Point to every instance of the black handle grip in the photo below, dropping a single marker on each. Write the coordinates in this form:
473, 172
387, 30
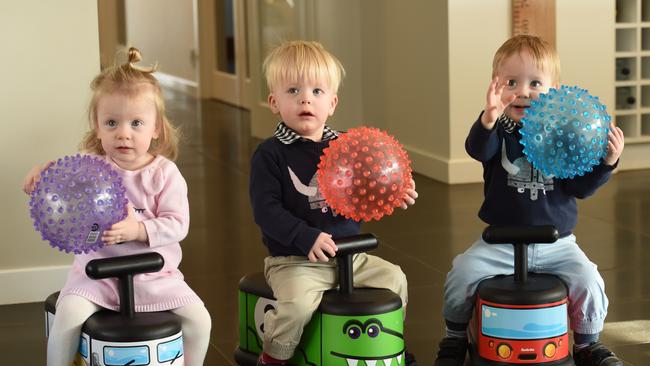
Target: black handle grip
124, 265
520, 234
520, 237
356, 244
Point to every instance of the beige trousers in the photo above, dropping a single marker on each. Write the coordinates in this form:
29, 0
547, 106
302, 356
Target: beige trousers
298, 285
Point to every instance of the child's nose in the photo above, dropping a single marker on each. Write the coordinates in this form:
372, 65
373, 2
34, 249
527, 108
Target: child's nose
123, 132
523, 92
305, 98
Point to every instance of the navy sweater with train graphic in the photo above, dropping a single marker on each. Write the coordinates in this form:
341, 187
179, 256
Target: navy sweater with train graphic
287, 204
518, 194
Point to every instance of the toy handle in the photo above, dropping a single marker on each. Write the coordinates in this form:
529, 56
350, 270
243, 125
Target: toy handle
356, 244
520, 237
124, 267
520, 234
347, 246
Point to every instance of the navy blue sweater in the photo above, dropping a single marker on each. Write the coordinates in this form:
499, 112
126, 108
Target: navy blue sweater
287, 204
518, 194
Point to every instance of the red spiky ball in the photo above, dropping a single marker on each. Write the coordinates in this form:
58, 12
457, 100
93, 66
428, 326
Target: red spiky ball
364, 174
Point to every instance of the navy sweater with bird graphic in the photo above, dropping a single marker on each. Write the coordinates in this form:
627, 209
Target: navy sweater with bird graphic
287, 204
518, 194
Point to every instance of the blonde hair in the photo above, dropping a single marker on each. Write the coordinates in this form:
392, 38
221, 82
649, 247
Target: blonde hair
544, 55
302, 59
129, 78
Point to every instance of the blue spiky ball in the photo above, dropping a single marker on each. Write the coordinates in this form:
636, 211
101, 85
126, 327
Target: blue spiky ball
564, 132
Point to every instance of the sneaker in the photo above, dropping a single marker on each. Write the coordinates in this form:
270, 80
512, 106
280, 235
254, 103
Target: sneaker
596, 354
451, 352
409, 359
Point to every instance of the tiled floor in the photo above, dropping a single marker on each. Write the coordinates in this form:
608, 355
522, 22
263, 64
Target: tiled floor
224, 244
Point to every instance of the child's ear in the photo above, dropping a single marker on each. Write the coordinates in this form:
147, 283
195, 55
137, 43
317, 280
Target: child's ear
273, 104
335, 101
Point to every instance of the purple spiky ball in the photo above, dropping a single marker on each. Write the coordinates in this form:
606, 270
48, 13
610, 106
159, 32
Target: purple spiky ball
75, 200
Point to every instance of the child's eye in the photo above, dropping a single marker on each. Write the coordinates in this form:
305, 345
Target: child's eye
111, 123
535, 83
136, 123
318, 91
292, 91
511, 82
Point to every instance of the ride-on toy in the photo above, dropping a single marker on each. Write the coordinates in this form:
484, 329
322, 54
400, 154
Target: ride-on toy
521, 318
109, 338
362, 326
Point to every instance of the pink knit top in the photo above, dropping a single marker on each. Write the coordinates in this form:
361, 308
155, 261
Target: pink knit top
159, 193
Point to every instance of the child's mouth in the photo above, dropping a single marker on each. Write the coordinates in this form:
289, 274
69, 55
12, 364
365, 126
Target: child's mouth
306, 114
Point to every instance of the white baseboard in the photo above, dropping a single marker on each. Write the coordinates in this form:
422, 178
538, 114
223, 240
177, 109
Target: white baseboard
450, 171
31, 284
177, 83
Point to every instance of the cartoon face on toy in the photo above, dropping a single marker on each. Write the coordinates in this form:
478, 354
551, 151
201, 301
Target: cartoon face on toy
346, 340
372, 340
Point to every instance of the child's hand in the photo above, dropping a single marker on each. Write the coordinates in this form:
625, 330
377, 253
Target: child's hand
33, 176
494, 106
323, 244
126, 230
410, 196
615, 144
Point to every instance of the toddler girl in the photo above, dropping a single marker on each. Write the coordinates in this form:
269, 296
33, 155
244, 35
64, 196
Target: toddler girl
129, 129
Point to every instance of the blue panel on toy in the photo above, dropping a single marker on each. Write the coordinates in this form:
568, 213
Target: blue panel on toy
170, 351
76, 199
564, 132
517, 323
117, 356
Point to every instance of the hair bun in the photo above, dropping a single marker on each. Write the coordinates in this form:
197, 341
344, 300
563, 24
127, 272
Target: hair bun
134, 55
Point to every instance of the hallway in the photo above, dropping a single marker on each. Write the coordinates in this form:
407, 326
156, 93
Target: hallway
224, 243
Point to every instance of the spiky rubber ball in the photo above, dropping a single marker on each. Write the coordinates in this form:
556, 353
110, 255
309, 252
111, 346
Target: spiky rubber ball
75, 200
364, 174
564, 132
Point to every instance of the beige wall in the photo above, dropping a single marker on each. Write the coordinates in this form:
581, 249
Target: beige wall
163, 30
414, 79
349, 112
50, 53
476, 30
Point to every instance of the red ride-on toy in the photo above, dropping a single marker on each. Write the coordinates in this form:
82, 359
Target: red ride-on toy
521, 319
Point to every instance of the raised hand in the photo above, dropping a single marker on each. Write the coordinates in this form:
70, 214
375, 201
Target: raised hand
494, 105
323, 244
615, 145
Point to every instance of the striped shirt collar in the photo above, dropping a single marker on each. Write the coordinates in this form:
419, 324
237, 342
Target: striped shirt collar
288, 136
509, 125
